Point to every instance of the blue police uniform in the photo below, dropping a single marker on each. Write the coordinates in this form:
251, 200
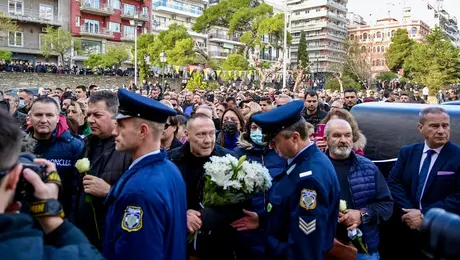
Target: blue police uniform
147, 208
302, 210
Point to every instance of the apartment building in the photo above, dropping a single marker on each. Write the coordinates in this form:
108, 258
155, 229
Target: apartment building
32, 17
165, 13
325, 26
376, 38
99, 23
355, 19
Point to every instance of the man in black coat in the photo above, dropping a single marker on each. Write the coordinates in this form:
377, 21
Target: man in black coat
107, 166
190, 159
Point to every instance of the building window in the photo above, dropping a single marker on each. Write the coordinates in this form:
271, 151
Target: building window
91, 26
16, 7
379, 35
374, 50
129, 9
15, 39
297, 13
115, 4
352, 37
414, 31
378, 62
392, 33
363, 48
365, 37
114, 27
92, 4
373, 63
378, 48
91, 47
382, 49
77, 21
145, 11
46, 12
128, 31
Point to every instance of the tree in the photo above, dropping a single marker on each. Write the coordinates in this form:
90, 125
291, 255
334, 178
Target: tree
196, 82
253, 20
58, 41
357, 64
387, 76
143, 43
400, 49
434, 63
235, 62
115, 56
5, 55
6, 24
302, 60
345, 82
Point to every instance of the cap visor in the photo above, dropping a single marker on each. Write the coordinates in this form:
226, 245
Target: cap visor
121, 116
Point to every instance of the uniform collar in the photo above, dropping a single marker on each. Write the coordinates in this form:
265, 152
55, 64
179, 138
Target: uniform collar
426, 148
290, 160
142, 157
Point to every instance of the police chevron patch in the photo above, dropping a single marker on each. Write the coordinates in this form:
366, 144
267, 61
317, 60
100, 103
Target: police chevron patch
307, 228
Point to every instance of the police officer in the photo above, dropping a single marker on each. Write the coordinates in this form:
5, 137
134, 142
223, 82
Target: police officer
302, 210
146, 217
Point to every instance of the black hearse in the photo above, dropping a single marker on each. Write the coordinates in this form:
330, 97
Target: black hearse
389, 126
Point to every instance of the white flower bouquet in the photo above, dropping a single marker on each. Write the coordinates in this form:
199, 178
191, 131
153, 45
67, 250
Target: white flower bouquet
356, 235
229, 183
232, 181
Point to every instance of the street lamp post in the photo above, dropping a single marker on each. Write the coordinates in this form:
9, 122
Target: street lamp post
285, 54
163, 58
135, 25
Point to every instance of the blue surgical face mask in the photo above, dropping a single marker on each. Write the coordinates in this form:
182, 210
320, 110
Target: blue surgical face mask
257, 137
21, 103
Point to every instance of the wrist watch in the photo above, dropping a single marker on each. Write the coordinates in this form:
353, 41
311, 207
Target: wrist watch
365, 217
46, 208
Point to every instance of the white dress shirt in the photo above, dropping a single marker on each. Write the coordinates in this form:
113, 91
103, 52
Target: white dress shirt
142, 157
433, 160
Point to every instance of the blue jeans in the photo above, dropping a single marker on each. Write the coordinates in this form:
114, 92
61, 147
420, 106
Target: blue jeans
374, 256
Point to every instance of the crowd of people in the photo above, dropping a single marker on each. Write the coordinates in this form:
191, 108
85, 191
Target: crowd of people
148, 146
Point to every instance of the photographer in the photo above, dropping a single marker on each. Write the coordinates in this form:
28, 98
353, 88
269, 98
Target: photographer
18, 238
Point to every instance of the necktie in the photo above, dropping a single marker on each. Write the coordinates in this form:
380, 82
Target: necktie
424, 173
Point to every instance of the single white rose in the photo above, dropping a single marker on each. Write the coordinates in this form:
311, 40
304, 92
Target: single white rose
343, 206
83, 165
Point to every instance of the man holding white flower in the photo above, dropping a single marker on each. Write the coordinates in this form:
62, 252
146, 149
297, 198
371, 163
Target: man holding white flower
364, 191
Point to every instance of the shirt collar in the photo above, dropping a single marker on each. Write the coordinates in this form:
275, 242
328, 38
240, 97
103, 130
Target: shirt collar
142, 157
426, 148
290, 160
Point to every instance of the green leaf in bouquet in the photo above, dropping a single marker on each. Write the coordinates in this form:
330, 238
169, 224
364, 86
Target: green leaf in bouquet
241, 160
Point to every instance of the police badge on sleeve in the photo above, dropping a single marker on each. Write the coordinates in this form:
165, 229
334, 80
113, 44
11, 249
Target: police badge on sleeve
132, 219
308, 199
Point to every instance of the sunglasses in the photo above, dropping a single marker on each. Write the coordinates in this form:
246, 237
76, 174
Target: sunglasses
167, 126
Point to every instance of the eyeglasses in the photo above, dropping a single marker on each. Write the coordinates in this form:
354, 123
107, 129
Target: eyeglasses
174, 105
167, 126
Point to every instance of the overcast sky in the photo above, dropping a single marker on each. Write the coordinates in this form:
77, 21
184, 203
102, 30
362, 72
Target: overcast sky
379, 8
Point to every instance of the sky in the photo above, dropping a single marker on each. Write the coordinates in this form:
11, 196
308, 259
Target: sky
379, 8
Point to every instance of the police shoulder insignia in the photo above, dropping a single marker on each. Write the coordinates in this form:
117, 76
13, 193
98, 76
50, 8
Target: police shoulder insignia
269, 207
132, 219
308, 199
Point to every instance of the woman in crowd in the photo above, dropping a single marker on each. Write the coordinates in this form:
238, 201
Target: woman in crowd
220, 109
359, 140
168, 138
76, 114
181, 124
250, 143
250, 108
232, 124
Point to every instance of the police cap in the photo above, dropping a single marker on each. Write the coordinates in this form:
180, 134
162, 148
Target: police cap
135, 105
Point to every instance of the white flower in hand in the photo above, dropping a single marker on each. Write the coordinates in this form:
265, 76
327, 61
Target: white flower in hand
83, 165
343, 206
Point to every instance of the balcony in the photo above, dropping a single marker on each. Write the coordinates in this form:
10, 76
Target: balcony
100, 33
337, 5
224, 38
96, 9
137, 16
268, 57
177, 9
127, 37
32, 16
337, 17
218, 54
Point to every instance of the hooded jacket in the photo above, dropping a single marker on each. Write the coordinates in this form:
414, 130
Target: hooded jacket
64, 150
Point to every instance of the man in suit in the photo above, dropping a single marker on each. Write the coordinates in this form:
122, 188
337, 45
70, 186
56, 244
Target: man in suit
426, 175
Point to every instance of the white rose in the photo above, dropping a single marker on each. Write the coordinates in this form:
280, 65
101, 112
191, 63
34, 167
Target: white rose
83, 165
343, 206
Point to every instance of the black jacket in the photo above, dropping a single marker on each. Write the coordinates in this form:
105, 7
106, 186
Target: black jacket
218, 244
316, 117
19, 240
109, 165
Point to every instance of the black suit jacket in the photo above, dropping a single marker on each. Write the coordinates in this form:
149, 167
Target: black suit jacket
442, 189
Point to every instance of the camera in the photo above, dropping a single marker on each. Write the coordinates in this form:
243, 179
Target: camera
24, 189
440, 235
